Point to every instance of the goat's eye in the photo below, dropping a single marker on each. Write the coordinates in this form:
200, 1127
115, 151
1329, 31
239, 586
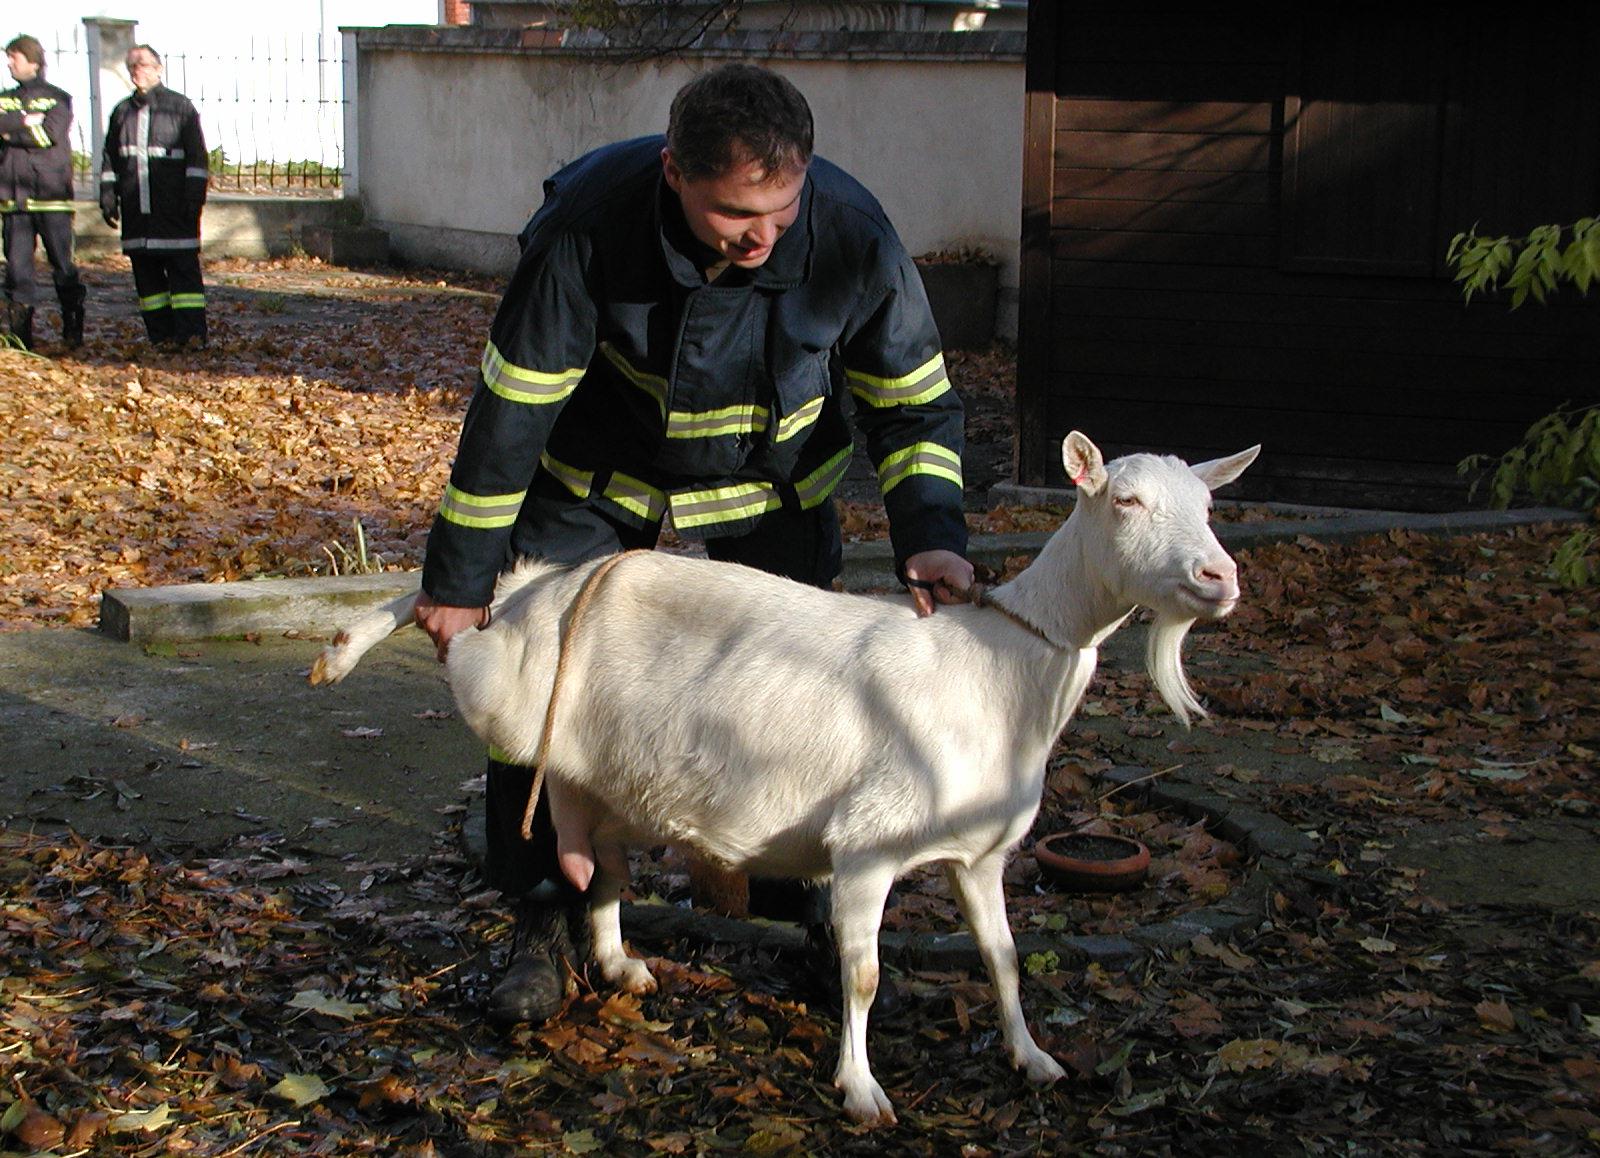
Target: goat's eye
1126, 502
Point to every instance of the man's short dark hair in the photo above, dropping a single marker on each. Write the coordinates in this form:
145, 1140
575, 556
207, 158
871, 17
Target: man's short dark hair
154, 55
29, 47
736, 113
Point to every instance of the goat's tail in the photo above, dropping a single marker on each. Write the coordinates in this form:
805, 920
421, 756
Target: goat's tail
340, 657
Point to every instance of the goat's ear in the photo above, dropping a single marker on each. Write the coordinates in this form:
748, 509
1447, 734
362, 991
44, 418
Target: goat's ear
1083, 463
1221, 471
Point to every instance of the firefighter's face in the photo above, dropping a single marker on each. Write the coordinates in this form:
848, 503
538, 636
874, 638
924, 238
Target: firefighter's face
22, 69
143, 69
741, 212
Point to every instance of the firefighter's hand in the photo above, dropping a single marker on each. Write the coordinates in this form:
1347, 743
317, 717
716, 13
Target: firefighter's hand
442, 621
109, 218
937, 577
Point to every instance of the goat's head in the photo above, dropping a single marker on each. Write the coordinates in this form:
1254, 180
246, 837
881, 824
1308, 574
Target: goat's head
1150, 518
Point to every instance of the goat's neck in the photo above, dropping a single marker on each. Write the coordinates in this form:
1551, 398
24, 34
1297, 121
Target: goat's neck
1063, 596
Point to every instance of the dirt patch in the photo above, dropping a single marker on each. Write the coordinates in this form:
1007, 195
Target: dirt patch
1550, 858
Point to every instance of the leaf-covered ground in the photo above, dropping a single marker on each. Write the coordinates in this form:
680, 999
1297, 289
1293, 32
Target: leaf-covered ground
1370, 693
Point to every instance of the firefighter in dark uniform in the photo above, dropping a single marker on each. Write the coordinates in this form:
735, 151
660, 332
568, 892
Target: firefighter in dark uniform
153, 179
36, 192
676, 347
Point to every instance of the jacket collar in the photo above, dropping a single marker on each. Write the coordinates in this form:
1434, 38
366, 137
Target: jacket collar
685, 254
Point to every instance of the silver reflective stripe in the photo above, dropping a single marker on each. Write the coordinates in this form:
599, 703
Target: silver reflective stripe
141, 157
579, 482
920, 458
172, 243
723, 504
819, 484
637, 497
194, 172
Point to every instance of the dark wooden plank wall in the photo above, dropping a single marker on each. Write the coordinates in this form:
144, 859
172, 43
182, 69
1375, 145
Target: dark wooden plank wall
1246, 229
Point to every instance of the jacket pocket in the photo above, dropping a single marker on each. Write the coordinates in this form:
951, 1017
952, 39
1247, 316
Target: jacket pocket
799, 392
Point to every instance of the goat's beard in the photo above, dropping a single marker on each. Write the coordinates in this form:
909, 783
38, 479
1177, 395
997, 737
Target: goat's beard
1164, 661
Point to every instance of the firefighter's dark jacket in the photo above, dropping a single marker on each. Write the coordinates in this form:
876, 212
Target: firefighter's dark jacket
35, 160
619, 376
154, 171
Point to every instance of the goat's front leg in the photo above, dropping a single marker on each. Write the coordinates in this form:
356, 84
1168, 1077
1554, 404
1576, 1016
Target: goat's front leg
980, 892
605, 923
860, 890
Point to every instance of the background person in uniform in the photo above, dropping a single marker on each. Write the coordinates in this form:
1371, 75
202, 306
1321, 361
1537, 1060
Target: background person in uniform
674, 348
153, 179
36, 192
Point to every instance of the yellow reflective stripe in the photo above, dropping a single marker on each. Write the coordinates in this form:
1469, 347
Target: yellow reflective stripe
40, 137
792, 424
927, 458
636, 497
50, 206
8, 206
819, 484
742, 419
652, 384
519, 384
188, 301
723, 504
501, 756
579, 482
926, 382
155, 302
484, 512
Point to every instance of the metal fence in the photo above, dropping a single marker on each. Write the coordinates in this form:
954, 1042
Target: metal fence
272, 109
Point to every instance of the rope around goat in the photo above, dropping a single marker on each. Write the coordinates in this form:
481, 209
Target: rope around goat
564, 650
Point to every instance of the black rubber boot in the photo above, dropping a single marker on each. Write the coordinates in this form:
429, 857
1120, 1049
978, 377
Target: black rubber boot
533, 987
20, 321
72, 315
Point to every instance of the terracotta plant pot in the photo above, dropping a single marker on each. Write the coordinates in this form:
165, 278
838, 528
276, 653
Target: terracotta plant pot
1089, 863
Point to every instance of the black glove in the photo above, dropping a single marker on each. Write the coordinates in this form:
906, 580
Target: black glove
109, 218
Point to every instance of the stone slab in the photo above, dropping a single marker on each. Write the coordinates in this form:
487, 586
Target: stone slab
196, 611
351, 246
322, 605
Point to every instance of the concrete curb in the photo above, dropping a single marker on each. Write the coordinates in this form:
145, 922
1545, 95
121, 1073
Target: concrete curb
321, 606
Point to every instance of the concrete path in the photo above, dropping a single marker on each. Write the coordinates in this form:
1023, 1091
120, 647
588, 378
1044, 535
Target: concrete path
192, 740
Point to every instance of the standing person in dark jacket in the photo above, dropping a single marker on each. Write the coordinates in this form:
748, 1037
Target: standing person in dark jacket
674, 349
154, 180
36, 192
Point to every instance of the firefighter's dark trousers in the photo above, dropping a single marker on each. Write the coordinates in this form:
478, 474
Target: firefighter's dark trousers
22, 233
172, 295
800, 545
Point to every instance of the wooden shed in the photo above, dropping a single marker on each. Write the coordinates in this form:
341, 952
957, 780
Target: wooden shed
1235, 223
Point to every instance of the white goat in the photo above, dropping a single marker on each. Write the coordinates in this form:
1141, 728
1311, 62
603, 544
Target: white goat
790, 732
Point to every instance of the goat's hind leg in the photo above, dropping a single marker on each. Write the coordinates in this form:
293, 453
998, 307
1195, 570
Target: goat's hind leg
605, 922
980, 892
860, 890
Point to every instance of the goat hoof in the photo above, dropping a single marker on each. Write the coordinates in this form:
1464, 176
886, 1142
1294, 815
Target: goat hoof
1040, 1068
867, 1104
632, 975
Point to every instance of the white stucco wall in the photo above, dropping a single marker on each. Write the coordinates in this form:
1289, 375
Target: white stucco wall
454, 144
